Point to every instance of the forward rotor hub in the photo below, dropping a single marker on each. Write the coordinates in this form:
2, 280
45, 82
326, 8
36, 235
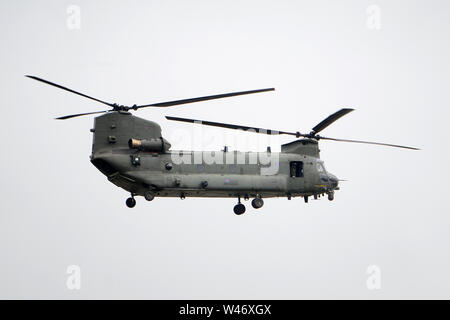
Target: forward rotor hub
120, 107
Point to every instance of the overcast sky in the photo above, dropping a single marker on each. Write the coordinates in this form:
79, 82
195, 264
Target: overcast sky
387, 59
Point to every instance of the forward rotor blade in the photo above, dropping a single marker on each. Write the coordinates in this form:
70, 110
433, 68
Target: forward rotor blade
231, 126
67, 89
330, 119
79, 115
191, 100
369, 142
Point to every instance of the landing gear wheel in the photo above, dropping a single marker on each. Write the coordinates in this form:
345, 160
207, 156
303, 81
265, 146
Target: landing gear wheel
239, 209
149, 195
130, 202
331, 196
306, 199
257, 203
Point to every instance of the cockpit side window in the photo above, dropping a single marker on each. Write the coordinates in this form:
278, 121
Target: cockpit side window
320, 167
296, 169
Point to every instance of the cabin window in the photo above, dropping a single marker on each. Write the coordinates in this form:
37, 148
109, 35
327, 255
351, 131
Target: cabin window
296, 169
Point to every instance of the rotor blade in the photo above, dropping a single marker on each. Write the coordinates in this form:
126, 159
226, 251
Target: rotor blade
191, 100
67, 89
330, 119
231, 126
79, 115
369, 142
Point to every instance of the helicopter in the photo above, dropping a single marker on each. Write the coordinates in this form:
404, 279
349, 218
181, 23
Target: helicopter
132, 153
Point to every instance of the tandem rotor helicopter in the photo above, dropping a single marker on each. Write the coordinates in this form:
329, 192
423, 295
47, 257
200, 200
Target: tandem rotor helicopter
132, 154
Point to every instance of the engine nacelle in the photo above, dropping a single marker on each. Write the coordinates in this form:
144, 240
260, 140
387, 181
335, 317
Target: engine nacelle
151, 145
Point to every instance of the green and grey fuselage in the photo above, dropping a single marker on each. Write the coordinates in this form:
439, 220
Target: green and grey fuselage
151, 165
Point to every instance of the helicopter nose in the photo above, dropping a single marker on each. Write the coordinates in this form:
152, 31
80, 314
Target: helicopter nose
334, 181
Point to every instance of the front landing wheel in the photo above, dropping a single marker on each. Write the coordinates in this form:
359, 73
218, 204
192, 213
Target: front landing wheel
331, 196
239, 209
131, 202
257, 203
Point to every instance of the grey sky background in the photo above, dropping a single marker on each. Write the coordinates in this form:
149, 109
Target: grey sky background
58, 210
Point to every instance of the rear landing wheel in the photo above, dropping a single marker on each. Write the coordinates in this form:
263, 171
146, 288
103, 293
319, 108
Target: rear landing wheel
239, 209
149, 195
130, 202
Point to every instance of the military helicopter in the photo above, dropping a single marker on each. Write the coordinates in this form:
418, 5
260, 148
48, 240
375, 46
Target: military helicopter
132, 153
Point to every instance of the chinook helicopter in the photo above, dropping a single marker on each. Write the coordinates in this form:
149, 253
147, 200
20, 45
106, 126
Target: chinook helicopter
132, 153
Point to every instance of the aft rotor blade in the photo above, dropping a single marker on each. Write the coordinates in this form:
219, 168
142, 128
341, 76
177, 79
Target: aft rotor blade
231, 126
330, 119
70, 90
191, 100
79, 115
369, 142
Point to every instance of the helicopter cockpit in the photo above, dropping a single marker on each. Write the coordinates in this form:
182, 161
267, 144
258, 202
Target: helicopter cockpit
326, 176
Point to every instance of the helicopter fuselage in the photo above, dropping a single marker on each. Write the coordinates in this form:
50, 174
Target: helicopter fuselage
168, 173
138, 172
